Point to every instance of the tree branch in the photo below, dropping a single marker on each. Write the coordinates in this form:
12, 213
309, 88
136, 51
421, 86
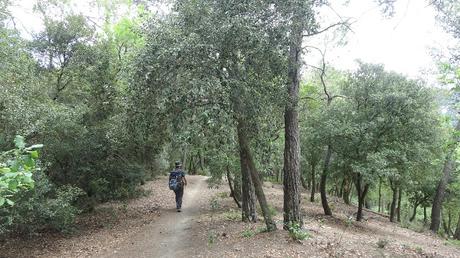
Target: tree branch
345, 23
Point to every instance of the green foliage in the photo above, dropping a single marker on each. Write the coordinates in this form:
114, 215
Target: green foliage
248, 233
43, 207
214, 203
16, 169
296, 232
212, 237
232, 215
453, 242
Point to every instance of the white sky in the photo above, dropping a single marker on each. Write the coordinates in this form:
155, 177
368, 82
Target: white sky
402, 43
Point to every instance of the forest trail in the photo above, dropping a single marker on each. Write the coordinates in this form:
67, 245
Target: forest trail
210, 226
171, 235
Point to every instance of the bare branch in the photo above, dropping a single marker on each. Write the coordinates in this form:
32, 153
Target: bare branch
345, 23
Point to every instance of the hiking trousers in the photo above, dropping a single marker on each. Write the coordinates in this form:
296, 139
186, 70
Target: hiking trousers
179, 194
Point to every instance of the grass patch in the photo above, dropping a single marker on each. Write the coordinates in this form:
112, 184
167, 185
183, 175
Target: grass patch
248, 233
214, 204
419, 250
232, 215
453, 242
223, 195
212, 237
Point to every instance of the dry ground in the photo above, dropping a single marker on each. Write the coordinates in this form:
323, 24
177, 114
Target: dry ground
210, 227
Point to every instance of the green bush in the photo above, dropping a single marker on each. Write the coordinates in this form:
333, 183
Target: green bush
296, 232
16, 169
46, 207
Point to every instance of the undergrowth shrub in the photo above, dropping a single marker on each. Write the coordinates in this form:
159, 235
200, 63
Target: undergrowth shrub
296, 232
45, 207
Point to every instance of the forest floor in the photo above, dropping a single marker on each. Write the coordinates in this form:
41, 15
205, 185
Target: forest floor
210, 226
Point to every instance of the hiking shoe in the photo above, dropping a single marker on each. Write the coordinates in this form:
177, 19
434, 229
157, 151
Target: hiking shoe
178, 210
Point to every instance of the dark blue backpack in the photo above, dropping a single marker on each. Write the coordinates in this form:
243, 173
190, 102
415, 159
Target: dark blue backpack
175, 181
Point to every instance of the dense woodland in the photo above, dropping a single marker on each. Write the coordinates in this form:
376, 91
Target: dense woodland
92, 107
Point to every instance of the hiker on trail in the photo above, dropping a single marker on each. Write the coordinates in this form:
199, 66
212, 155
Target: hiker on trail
177, 182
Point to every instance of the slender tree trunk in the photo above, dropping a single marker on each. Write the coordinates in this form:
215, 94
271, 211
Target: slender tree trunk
342, 186
313, 182
440, 192
248, 194
380, 195
292, 195
201, 160
444, 225
449, 223
457, 231
425, 217
232, 190
449, 166
244, 145
398, 210
336, 188
362, 192
394, 200
304, 183
184, 158
346, 191
414, 213
367, 204
190, 165
322, 186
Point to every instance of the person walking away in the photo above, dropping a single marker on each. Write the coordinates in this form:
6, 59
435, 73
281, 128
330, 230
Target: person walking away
177, 183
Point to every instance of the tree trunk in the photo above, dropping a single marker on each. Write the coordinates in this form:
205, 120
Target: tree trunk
237, 186
313, 182
336, 189
346, 191
449, 223
244, 145
457, 231
444, 225
304, 183
322, 186
424, 215
361, 196
394, 200
201, 160
414, 213
398, 210
380, 195
367, 204
190, 165
232, 191
292, 195
248, 194
342, 186
449, 166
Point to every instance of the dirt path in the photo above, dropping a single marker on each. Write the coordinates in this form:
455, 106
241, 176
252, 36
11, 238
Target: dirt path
171, 235
210, 226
